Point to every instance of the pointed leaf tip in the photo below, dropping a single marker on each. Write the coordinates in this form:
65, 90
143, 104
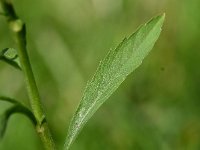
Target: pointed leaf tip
112, 71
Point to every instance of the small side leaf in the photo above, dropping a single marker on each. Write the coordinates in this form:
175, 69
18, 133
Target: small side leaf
16, 108
8, 99
3, 124
112, 71
9, 55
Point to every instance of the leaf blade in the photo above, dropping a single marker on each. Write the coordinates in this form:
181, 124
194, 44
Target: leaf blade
16, 108
112, 71
9, 56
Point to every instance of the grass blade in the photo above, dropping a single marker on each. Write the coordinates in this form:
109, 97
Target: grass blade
112, 71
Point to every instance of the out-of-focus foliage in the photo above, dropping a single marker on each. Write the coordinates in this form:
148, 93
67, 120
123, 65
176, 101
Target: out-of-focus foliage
156, 108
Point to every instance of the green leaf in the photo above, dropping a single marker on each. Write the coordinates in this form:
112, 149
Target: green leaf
16, 108
9, 55
3, 124
8, 99
112, 71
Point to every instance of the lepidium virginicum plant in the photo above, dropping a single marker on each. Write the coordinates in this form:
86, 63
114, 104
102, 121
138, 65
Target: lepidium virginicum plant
112, 71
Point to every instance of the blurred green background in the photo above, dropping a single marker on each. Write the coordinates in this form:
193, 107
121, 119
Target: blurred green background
156, 108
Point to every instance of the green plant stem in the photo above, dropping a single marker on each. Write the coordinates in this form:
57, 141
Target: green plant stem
19, 31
